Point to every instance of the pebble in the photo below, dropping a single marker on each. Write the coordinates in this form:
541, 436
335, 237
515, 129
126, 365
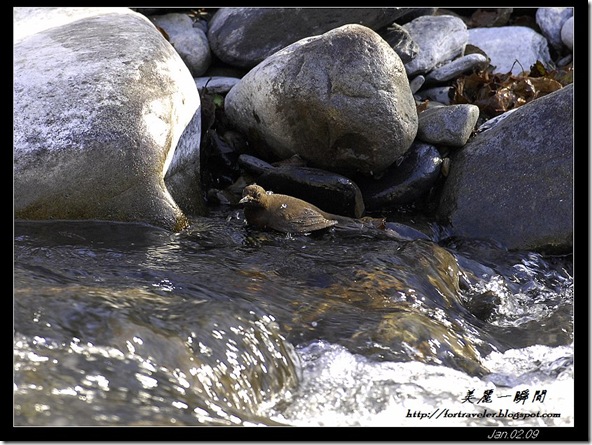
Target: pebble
436, 94
451, 125
405, 181
331, 192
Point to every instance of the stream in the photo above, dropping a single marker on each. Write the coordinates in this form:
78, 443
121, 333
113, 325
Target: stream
129, 325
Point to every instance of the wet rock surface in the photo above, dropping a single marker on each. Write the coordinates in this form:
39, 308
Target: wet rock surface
406, 181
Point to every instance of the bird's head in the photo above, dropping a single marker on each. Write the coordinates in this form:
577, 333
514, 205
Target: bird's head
252, 195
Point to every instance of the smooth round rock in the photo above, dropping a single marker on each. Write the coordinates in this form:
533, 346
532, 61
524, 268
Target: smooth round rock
450, 125
103, 107
341, 101
440, 39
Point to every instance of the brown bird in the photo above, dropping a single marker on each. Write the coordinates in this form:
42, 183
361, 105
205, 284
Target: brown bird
266, 210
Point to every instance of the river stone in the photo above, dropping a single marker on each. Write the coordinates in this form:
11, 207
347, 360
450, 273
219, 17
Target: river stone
551, 20
330, 192
406, 181
440, 40
400, 40
244, 37
215, 84
514, 183
254, 165
437, 96
101, 101
457, 67
340, 100
567, 33
504, 45
191, 43
450, 125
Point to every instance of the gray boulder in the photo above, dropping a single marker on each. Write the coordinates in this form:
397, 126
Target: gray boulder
511, 48
440, 39
514, 182
191, 43
551, 20
244, 37
340, 100
101, 101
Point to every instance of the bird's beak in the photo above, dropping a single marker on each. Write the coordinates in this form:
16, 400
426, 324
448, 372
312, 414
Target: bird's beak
244, 199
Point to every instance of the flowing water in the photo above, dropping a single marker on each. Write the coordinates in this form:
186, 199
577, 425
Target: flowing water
126, 324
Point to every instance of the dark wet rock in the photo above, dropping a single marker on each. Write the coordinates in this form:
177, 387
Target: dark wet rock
244, 37
103, 108
254, 165
551, 21
404, 232
451, 125
440, 39
220, 161
483, 305
191, 43
340, 100
332, 192
506, 44
406, 181
400, 40
514, 182
490, 17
